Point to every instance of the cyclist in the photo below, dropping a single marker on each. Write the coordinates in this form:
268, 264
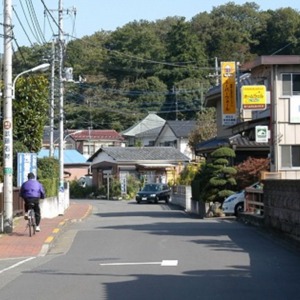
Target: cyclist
32, 191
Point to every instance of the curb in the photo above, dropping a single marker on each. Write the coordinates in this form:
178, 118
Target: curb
51, 238
57, 230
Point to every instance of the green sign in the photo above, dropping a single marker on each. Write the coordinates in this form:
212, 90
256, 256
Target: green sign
7, 171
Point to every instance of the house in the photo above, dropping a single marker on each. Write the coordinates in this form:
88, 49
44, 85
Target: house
281, 75
151, 164
240, 136
46, 137
155, 131
75, 164
87, 142
144, 132
176, 134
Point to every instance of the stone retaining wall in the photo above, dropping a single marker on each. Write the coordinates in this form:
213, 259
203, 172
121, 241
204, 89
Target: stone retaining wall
282, 206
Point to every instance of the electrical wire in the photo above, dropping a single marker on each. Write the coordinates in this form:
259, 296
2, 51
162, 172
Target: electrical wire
35, 21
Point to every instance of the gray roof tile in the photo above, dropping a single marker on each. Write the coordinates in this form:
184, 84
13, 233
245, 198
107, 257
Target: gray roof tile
132, 154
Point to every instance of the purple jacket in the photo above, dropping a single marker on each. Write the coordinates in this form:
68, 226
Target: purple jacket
32, 189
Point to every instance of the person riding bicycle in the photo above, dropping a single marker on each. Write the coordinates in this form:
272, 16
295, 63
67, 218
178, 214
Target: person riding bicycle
32, 191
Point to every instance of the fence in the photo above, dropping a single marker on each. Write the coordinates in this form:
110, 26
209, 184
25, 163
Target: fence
50, 207
254, 201
18, 205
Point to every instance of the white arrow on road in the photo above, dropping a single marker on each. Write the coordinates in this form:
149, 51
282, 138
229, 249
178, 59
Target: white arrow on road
164, 263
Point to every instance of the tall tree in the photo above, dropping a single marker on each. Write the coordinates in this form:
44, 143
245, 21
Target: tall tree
134, 51
229, 30
30, 111
185, 55
206, 127
282, 33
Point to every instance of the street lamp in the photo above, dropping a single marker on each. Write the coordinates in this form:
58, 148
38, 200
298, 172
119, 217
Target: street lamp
41, 68
71, 133
8, 145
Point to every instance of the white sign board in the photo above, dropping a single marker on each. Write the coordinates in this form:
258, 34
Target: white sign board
261, 134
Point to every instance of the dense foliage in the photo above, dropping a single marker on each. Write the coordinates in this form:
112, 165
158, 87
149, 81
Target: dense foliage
217, 178
164, 66
249, 171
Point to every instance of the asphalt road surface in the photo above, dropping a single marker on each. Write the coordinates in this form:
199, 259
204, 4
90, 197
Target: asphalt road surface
125, 250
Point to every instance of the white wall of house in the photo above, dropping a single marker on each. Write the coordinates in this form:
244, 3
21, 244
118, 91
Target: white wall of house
146, 140
167, 138
185, 149
286, 120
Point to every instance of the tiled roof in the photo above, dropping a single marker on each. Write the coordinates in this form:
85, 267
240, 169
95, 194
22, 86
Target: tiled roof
182, 129
239, 141
70, 156
95, 134
137, 154
149, 133
149, 122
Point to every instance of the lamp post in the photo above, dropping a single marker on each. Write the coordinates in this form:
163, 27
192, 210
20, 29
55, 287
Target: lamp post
71, 133
42, 68
8, 146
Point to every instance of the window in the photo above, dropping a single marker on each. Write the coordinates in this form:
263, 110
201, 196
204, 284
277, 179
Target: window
290, 156
290, 84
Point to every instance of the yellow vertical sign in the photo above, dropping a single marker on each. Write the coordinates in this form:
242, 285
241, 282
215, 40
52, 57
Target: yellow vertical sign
228, 93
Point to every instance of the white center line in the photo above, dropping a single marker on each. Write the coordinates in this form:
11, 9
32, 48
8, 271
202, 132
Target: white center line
164, 263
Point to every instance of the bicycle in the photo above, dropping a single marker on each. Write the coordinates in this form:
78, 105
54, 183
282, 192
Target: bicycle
31, 223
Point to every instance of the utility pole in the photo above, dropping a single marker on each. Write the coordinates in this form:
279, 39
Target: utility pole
51, 152
8, 120
176, 103
216, 71
61, 191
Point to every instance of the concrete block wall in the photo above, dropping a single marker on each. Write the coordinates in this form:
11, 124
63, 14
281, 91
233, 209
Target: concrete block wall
181, 196
282, 206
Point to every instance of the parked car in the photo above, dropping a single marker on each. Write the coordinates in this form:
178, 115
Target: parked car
154, 192
235, 203
85, 181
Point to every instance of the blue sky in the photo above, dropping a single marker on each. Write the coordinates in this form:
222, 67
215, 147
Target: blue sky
95, 15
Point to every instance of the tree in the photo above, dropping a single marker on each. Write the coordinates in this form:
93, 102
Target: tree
281, 33
132, 51
184, 53
229, 30
218, 177
30, 111
28, 57
206, 127
248, 172
87, 55
148, 94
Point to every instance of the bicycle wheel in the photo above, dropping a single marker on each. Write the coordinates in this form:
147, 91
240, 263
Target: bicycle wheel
33, 223
30, 228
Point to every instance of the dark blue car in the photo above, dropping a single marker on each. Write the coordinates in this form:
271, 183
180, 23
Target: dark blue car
154, 192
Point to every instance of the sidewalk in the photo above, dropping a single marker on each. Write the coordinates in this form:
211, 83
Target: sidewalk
19, 244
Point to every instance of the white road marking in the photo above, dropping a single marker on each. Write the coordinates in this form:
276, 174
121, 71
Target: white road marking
17, 264
164, 263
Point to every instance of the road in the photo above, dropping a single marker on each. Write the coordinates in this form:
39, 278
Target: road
134, 251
